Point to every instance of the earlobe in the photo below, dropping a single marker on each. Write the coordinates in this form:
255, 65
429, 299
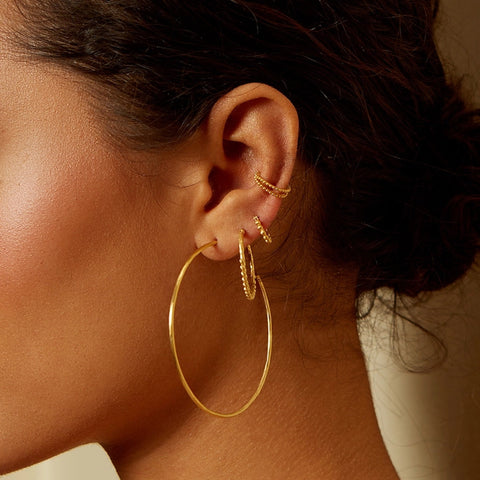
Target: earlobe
252, 137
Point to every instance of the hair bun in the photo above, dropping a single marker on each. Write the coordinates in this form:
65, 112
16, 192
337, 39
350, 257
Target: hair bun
440, 227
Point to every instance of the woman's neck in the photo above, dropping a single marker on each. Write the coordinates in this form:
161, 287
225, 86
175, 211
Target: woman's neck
313, 420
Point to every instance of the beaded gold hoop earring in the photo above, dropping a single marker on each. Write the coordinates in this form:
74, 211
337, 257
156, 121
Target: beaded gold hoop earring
270, 188
171, 331
249, 284
263, 231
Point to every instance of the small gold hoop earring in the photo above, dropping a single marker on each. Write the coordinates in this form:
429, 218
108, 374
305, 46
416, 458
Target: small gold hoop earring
270, 188
171, 330
249, 285
263, 231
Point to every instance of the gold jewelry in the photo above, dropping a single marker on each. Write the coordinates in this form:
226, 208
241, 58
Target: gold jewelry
171, 330
250, 288
271, 189
263, 231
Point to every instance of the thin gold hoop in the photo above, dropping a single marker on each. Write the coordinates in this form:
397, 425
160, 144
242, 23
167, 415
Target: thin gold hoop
263, 231
270, 188
171, 331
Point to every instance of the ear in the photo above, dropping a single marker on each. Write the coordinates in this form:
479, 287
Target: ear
253, 128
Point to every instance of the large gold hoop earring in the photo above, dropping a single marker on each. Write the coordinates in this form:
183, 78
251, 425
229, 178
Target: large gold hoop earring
171, 330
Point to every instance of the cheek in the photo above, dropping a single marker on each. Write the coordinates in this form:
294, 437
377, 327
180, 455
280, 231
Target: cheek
81, 288
52, 220
47, 218
81, 292
56, 218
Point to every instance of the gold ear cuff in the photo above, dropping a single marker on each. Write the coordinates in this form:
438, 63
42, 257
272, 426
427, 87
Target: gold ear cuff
271, 189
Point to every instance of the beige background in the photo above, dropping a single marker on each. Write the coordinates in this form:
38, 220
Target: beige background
430, 422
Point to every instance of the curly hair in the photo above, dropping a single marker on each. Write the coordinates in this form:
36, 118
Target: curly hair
395, 150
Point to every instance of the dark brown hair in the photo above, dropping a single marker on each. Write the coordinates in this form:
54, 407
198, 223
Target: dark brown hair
394, 147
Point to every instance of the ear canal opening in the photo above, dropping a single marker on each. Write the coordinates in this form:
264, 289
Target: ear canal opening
234, 150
